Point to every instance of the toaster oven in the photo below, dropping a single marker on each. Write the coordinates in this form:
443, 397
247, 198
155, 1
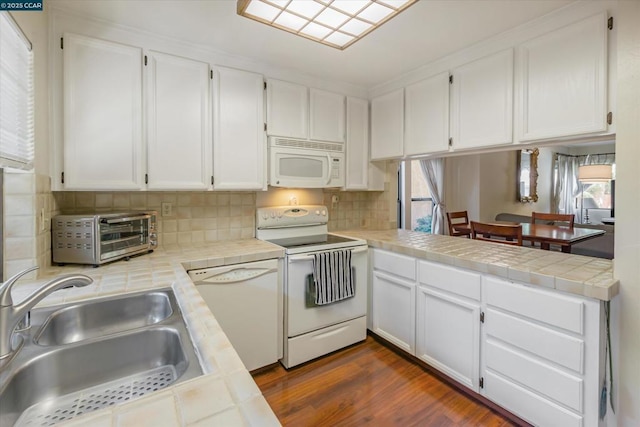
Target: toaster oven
99, 238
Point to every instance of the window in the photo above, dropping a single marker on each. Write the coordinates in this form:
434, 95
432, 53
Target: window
417, 202
596, 200
16, 96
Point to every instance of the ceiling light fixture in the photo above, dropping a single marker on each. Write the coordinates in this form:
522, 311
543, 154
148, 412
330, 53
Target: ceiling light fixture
335, 23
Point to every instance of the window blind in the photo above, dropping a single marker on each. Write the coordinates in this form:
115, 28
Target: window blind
16, 96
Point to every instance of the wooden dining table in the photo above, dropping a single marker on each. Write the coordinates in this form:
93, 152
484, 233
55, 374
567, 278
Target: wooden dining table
547, 235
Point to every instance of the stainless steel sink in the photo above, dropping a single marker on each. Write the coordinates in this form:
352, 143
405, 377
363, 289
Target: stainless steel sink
83, 321
125, 359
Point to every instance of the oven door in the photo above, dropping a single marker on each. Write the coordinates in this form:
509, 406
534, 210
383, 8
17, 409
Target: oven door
291, 167
124, 235
302, 317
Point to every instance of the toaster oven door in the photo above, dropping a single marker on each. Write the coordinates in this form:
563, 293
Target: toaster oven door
122, 236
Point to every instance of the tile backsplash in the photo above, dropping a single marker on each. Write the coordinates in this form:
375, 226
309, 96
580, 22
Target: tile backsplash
29, 206
208, 217
196, 216
359, 209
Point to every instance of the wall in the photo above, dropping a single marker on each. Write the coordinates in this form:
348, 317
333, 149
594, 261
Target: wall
373, 210
626, 307
498, 184
462, 185
580, 150
28, 208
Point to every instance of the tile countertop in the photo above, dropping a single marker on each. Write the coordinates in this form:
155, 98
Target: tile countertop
575, 274
226, 394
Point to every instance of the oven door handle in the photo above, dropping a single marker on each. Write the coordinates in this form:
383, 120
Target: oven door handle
309, 256
124, 219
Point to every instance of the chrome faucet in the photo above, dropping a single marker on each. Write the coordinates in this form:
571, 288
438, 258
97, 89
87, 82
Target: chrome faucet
11, 315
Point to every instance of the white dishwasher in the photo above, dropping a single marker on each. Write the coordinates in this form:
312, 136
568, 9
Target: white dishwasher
246, 299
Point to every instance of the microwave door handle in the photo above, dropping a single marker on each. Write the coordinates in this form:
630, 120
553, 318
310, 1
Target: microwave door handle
328, 169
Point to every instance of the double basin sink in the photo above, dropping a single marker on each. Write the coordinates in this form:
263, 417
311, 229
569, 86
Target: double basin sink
85, 356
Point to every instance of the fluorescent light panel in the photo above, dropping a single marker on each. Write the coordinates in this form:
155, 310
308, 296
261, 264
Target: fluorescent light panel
335, 23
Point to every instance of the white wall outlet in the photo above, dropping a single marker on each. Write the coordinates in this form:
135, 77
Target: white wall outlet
334, 201
167, 209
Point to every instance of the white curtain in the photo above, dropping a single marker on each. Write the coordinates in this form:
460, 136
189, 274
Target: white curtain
566, 185
433, 171
597, 159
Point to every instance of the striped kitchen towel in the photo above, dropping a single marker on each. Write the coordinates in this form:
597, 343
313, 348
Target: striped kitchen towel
333, 276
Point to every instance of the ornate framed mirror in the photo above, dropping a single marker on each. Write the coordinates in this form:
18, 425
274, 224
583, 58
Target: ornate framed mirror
527, 175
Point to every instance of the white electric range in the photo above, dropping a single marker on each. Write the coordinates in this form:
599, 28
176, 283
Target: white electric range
313, 330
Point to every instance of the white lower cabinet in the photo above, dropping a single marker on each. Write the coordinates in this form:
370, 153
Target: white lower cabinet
536, 352
541, 353
394, 299
448, 323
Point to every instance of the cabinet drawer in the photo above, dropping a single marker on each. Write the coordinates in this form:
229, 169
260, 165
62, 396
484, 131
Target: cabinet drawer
550, 308
546, 343
450, 279
318, 343
399, 265
540, 377
528, 405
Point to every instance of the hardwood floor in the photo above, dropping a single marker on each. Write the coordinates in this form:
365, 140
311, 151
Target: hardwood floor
369, 384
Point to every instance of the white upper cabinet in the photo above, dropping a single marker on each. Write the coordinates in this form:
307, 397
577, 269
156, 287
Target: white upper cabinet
387, 125
295, 111
102, 91
326, 116
287, 109
361, 174
179, 123
427, 116
482, 102
239, 149
564, 81
357, 148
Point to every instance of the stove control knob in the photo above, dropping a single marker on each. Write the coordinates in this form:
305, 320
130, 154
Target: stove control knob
324, 213
317, 212
265, 215
273, 214
279, 214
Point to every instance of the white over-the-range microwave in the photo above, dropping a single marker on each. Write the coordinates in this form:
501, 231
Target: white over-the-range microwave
305, 164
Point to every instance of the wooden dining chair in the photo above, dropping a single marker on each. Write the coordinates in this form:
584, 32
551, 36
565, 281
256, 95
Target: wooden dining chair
561, 220
499, 233
458, 218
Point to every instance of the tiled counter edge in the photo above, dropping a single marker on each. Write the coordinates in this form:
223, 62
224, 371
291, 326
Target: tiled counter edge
575, 274
225, 394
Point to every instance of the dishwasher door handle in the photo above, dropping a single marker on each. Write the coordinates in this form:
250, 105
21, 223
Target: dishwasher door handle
228, 277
